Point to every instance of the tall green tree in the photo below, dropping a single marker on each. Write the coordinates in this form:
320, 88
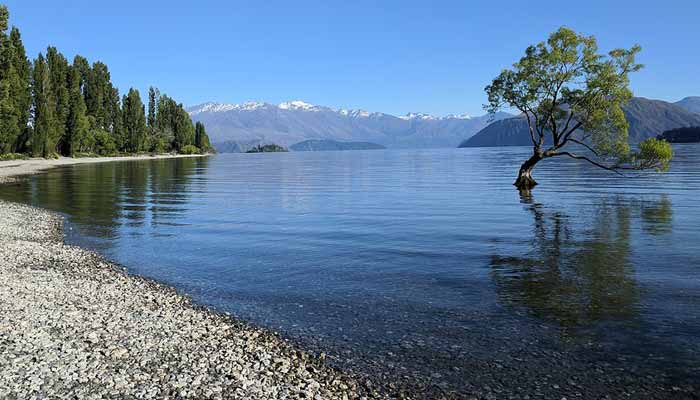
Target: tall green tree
174, 124
572, 94
183, 128
77, 125
134, 122
21, 88
152, 101
51, 106
83, 66
9, 80
154, 140
58, 73
100, 96
9, 114
114, 119
201, 139
42, 140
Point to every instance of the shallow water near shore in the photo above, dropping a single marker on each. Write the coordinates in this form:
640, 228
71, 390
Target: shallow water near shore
420, 266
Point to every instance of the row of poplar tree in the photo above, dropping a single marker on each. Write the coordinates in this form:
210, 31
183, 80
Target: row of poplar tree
50, 107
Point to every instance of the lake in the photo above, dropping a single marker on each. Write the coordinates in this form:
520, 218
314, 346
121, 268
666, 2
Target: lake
424, 269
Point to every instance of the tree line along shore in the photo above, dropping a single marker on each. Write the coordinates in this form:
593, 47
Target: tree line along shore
50, 107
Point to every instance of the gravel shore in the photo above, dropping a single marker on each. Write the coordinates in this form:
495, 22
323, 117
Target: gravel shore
73, 325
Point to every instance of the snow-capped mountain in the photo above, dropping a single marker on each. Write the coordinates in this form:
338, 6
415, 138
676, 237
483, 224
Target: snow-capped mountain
298, 105
218, 108
239, 126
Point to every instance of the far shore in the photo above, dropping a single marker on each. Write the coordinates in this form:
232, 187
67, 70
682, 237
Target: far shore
10, 170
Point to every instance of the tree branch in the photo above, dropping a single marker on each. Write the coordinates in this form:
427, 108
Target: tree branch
584, 158
532, 131
585, 145
537, 128
567, 135
568, 121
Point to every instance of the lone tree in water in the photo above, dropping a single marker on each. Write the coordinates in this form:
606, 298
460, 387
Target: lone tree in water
571, 94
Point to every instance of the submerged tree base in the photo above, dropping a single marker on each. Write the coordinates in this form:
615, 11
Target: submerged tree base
525, 181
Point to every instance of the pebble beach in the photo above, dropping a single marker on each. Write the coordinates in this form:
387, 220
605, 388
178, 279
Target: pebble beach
74, 325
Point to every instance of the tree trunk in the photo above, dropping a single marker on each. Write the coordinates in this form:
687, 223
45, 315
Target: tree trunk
525, 181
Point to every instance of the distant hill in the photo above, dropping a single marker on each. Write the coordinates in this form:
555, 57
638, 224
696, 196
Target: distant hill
333, 145
691, 104
682, 135
233, 147
267, 148
647, 118
292, 122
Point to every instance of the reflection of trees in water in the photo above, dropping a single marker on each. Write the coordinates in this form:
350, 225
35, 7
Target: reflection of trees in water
657, 217
577, 272
171, 185
101, 197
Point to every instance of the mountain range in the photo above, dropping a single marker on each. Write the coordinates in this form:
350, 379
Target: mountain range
238, 127
333, 145
647, 118
691, 104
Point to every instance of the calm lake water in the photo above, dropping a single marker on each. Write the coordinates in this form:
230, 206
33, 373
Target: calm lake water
422, 266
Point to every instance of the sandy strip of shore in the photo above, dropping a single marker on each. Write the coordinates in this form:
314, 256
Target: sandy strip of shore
73, 325
11, 170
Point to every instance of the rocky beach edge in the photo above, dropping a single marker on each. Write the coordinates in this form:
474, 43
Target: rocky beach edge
74, 325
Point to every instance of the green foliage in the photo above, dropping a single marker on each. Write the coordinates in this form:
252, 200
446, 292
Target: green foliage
159, 146
267, 148
183, 128
571, 93
52, 106
20, 88
189, 149
173, 123
9, 118
12, 157
4, 17
77, 124
133, 122
201, 139
99, 94
58, 74
152, 99
42, 141
14, 87
104, 143
653, 153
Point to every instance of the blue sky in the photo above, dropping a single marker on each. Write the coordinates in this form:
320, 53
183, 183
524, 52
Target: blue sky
391, 56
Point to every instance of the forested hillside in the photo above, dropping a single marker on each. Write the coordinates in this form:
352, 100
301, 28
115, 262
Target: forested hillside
50, 106
646, 118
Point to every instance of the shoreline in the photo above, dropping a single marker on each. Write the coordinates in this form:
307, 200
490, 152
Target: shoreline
12, 170
73, 324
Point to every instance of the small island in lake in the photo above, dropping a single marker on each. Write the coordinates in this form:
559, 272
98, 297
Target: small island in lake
333, 145
268, 148
682, 135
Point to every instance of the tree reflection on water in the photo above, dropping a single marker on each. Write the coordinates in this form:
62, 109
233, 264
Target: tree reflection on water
105, 197
577, 269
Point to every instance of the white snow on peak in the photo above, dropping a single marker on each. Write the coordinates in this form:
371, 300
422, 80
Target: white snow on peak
354, 113
298, 105
212, 107
421, 116
428, 117
224, 107
461, 116
251, 105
